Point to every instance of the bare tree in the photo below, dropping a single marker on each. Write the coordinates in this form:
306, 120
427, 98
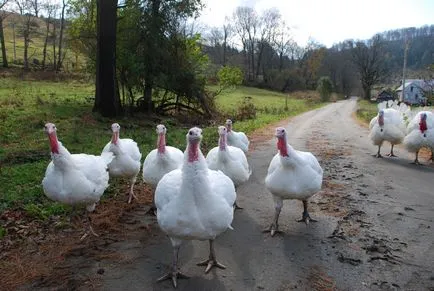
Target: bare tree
62, 28
50, 9
267, 27
36, 7
369, 61
2, 36
283, 43
227, 34
28, 27
246, 25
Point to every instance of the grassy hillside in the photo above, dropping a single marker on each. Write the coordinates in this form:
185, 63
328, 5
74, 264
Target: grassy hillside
24, 150
13, 24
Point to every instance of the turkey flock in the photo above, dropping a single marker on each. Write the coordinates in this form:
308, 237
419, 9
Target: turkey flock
397, 123
195, 195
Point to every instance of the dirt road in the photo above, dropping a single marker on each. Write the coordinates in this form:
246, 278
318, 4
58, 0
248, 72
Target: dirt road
374, 230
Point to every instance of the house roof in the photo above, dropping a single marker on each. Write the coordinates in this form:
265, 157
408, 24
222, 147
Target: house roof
408, 82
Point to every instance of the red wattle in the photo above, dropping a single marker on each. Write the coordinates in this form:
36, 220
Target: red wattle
422, 126
281, 146
193, 152
53, 143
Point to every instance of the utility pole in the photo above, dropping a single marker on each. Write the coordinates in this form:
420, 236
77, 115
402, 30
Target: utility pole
401, 98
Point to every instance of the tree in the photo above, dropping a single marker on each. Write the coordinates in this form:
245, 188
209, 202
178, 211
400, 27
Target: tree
246, 24
50, 9
325, 88
268, 24
60, 55
28, 27
2, 36
369, 60
107, 101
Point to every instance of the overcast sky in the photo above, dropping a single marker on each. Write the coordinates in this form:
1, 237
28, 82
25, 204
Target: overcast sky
332, 21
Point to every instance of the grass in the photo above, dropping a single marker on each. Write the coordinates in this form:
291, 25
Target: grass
366, 110
26, 106
35, 50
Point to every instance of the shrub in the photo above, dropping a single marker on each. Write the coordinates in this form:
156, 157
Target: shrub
325, 88
246, 110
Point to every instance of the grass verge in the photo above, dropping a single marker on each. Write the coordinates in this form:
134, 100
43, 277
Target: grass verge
24, 152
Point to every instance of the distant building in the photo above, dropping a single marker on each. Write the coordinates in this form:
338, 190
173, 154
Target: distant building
414, 91
385, 95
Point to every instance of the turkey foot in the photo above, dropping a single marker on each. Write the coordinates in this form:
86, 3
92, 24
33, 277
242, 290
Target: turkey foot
306, 218
391, 154
378, 155
212, 261
90, 229
131, 196
236, 206
273, 229
174, 275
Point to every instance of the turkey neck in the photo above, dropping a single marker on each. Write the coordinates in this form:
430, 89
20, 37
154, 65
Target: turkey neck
422, 125
115, 137
381, 120
54, 143
222, 142
282, 147
161, 144
193, 151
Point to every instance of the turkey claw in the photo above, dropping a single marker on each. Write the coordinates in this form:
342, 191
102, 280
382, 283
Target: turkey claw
392, 155
273, 229
378, 156
130, 198
236, 206
306, 218
174, 276
210, 263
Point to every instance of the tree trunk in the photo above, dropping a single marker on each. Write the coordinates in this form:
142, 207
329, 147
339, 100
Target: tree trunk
2, 40
54, 46
62, 28
26, 51
107, 99
44, 51
367, 92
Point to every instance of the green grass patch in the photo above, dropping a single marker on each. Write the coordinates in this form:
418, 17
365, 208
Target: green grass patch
24, 149
366, 110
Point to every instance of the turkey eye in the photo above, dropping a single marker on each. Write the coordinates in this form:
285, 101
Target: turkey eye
190, 133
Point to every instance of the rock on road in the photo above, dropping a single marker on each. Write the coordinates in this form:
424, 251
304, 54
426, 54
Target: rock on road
374, 230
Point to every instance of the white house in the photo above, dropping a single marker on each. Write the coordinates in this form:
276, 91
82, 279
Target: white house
413, 91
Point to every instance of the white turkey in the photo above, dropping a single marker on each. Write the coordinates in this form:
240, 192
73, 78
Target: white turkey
388, 125
230, 160
194, 203
75, 179
161, 160
237, 139
292, 174
420, 133
127, 158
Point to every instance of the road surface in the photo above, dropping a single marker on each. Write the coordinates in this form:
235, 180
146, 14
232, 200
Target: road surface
374, 230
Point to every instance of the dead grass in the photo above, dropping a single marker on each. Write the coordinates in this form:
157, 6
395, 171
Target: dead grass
320, 281
36, 255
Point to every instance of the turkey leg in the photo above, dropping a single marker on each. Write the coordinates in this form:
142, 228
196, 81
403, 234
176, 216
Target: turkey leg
391, 154
274, 227
130, 198
378, 155
174, 274
306, 217
416, 161
211, 261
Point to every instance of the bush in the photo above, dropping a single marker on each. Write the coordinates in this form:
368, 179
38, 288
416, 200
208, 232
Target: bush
325, 88
229, 77
246, 110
